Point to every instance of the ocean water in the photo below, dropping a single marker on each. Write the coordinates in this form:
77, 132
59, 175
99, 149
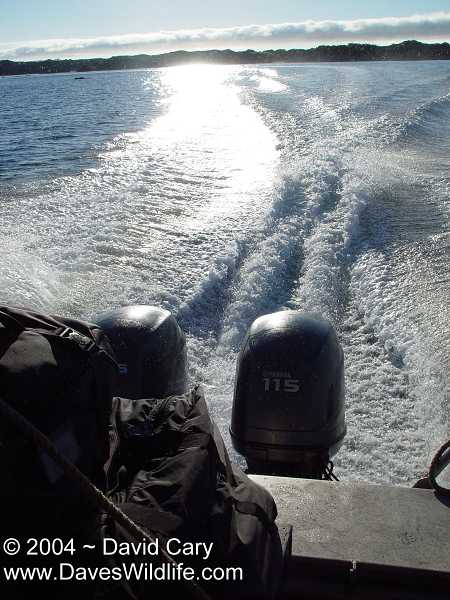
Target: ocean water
224, 193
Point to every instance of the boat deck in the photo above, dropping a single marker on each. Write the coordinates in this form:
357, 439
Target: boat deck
353, 540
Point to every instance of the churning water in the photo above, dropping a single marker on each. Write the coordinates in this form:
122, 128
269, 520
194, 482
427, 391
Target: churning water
223, 193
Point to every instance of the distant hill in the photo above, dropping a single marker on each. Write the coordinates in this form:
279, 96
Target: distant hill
408, 50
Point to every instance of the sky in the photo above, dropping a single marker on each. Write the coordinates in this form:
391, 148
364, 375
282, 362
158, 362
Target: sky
39, 29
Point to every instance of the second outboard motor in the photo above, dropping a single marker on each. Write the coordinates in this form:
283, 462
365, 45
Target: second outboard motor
150, 349
288, 411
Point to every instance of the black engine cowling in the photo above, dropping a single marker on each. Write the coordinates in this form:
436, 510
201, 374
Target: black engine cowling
288, 410
150, 349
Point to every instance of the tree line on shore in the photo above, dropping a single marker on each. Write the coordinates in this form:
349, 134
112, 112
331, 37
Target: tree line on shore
408, 50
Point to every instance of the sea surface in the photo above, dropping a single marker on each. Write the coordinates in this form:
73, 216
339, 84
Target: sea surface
224, 193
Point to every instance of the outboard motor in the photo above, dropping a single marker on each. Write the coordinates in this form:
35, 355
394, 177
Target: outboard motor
288, 411
150, 349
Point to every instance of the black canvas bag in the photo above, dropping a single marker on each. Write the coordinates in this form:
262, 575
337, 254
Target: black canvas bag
170, 472
60, 374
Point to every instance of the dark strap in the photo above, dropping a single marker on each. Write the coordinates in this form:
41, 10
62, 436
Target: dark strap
11, 321
222, 454
114, 446
83, 341
12, 329
440, 461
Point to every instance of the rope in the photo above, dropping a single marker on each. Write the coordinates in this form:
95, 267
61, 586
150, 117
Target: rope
90, 491
436, 468
328, 474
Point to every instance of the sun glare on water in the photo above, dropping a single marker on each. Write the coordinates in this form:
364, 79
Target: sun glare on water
204, 100
208, 132
196, 95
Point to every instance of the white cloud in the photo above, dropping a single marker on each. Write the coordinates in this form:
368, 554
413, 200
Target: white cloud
426, 27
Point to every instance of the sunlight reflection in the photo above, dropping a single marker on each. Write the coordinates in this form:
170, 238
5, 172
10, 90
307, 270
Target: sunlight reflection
197, 95
212, 139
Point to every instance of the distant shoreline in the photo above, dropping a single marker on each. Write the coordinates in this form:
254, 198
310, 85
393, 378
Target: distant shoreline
408, 50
